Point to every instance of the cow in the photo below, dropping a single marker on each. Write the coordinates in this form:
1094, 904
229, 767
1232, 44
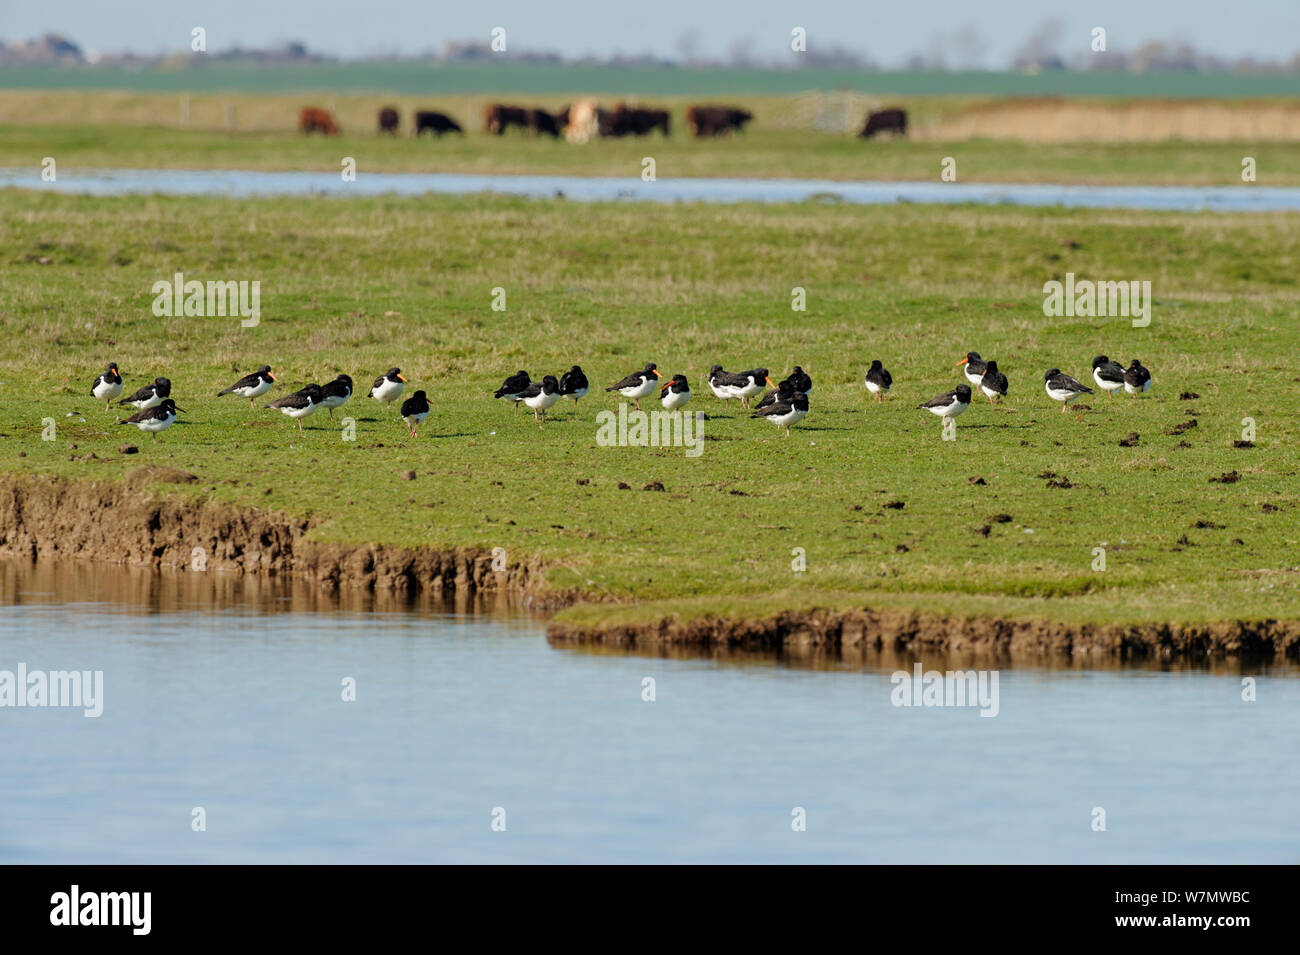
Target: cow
313, 119
389, 120
885, 120
498, 118
716, 120
540, 121
436, 123
626, 120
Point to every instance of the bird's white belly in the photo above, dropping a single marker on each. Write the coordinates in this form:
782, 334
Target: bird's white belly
107, 390
643, 390
674, 400
389, 390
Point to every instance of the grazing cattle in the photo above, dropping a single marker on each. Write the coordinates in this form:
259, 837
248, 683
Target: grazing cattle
389, 120
436, 123
625, 120
498, 118
885, 120
312, 119
540, 121
716, 120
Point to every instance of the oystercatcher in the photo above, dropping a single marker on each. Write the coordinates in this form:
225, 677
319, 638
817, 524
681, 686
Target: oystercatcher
784, 392
950, 403
638, 385
975, 366
414, 410
388, 386
783, 414
150, 396
251, 386
1137, 379
800, 380
1108, 375
994, 383
156, 418
541, 395
300, 403
724, 383
752, 385
879, 380
336, 393
675, 393
513, 388
107, 385
1061, 387
573, 384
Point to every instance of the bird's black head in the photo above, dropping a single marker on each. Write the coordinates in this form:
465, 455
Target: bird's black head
575, 370
550, 385
264, 370
797, 370
394, 373
990, 366
1099, 361
162, 382
785, 389
876, 364
345, 379
714, 370
963, 393
678, 384
760, 374
112, 366
1051, 373
419, 395
1136, 364
314, 392
799, 402
650, 368
973, 356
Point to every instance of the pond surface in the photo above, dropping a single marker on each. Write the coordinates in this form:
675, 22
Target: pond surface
226, 694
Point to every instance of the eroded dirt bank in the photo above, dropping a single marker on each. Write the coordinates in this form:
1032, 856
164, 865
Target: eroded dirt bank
127, 523
853, 633
132, 522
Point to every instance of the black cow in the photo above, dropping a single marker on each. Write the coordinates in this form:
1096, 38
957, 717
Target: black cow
540, 121
389, 120
716, 120
885, 120
436, 123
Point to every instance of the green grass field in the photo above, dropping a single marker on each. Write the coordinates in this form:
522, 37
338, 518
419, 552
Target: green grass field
359, 285
760, 153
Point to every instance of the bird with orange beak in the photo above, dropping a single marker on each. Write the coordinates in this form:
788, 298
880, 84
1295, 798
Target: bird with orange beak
251, 386
975, 367
388, 386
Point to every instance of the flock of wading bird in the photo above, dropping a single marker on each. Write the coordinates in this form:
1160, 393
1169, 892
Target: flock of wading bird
785, 404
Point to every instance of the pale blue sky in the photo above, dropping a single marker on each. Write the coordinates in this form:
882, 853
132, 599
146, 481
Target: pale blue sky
885, 31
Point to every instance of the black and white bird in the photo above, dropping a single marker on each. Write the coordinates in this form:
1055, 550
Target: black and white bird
1108, 375
878, 380
155, 419
784, 392
975, 366
150, 396
388, 386
783, 414
950, 403
336, 393
513, 388
414, 410
638, 385
251, 386
300, 403
723, 383
800, 380
573, 384
1137, 379
752, 384
107, 385
994, 383
675, 393
540, 396
1061, 387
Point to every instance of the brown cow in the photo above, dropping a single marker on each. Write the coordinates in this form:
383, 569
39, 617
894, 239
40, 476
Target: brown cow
313, 119
885, 120
389, 120
498, 118
436, 123
716, 120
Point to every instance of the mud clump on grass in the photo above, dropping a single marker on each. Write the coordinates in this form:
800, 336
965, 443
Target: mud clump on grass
1131, 441
1180, 428
1227, 477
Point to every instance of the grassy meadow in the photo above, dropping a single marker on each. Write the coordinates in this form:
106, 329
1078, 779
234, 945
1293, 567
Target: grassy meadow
805, 136
1003, 520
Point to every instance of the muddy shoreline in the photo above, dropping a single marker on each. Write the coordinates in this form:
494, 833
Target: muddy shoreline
127, 523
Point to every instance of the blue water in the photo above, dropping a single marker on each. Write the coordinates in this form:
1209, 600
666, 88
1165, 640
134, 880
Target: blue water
245, 183
239, 711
